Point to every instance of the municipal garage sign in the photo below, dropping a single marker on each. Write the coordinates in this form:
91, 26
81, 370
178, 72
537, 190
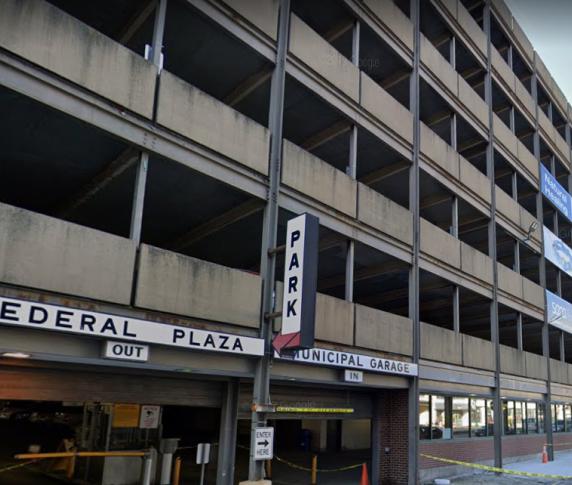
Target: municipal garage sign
334, 358
29, 314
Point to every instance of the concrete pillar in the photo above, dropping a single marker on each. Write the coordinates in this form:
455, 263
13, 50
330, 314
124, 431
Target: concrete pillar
227, 435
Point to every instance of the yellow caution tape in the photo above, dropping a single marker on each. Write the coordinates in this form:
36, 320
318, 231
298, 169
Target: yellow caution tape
495, 469
319, 470
19, 465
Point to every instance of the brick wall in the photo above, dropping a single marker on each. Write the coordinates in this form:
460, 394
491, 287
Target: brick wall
523, 445
470, 450
393, 411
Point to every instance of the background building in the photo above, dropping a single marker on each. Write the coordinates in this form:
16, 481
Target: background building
430, 141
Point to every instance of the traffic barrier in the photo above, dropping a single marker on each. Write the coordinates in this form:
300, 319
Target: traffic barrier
544, 455
364, 476
18, 465
497, 470
177, 471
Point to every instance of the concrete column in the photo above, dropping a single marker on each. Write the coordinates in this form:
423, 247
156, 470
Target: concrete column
453, 52
227, 436
158, 31
510, 59
511, 120
519, 341
454, 131
139, 198
562, 347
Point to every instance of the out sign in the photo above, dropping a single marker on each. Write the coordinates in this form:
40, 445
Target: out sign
126, 351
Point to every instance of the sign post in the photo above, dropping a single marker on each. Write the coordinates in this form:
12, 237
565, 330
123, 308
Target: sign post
203, 457
300, 285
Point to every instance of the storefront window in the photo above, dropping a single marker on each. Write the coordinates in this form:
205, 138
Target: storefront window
424, 417
519, 417
509, 421
558, 424
439, 428
460, 417
478, 417
490, 419
540, 413
531, 426
568, 417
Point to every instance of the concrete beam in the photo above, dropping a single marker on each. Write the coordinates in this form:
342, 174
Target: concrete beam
216, 224
123, 162
327, 134
364, 274
247, 86
384, 172
139, 17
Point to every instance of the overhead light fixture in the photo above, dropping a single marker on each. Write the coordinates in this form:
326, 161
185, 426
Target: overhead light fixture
16, 355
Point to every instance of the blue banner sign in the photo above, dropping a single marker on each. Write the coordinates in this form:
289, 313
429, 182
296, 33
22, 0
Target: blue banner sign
558, 312
555, 193
557, 252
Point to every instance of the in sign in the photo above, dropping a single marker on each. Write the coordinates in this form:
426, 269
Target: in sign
264, 444
126, 351
353, 375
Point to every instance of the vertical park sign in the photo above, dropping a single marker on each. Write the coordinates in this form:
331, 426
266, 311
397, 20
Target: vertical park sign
300, 285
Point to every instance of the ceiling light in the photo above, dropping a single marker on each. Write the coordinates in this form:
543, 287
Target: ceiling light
16, 355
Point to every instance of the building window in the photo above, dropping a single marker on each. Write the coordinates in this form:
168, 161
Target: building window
479, 418
461, 417
558, 418
540, 413
531, 418
568, 417
424, 417
519, 417
440, 428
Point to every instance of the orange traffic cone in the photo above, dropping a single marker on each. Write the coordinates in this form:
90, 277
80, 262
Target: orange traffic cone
544, 455
364, 477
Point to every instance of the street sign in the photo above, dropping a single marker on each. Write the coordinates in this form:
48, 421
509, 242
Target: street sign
264, 444
149, 417
300, 284
203, 453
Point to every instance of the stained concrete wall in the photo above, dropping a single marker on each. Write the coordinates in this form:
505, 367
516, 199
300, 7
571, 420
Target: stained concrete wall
439, 152
42, 252
441, 344
478, 353
394, 19
379, 330
532, 293
474, 103
558, 371
334, 320
477, 264
504, 136
383, 214
312, 176
535, 365
191, 112
527, 159
512, 361
174, 283
472, 178
432, 59
356, 434
385, 108
263, 14
317, 53
440, 244
509, 281
47, 36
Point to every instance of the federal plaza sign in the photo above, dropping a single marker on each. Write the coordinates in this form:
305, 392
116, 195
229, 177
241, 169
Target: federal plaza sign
348, 360
29, 314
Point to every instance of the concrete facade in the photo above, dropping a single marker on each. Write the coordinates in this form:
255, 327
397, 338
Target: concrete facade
426, 197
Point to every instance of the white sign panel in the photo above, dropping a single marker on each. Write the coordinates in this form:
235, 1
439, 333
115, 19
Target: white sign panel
557, 251
126, 351
264, 444
353, 375
29, 314
203, 453
149, 417
334, 358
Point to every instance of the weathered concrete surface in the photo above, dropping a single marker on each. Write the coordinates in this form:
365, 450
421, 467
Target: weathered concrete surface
174, 283
191, 112
512, 361
507, 206
477, 264
509, 281
532, 293
379, 330
263, 14
471, 28
504, 136
390, 15
441, 344
382, 213
312, 176
314, 51
47, 36
474, 103
385, 107
527, 159
558, 371
535, 365
42, 252
334, 320
478, 353
440, 244
474, 180
432, 59
435, 148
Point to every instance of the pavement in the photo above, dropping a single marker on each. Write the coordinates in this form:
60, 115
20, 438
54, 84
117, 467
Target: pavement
562, 465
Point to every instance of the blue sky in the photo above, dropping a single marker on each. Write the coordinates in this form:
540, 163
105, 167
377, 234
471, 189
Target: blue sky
548, 25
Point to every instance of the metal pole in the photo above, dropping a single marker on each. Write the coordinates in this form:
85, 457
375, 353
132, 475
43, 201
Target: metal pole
261, 391
202, 474
519, 342
413, 394
227, 437
542, 277
138, 199
158, 31
493, 244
